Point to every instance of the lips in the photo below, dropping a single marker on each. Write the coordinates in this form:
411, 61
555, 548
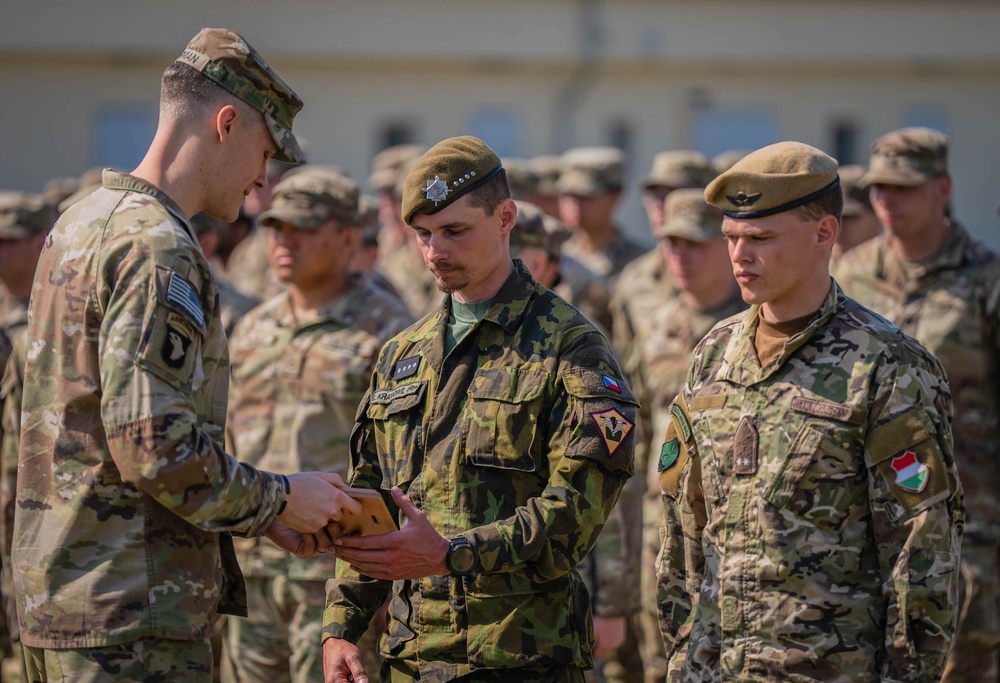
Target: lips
743, 276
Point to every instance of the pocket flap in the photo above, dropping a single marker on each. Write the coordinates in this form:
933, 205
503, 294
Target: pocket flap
585, 383
513, 385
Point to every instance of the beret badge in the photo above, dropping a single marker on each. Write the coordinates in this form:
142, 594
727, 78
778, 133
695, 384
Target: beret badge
743, 199
436, 190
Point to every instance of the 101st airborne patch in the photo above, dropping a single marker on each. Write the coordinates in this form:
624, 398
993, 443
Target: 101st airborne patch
613, 427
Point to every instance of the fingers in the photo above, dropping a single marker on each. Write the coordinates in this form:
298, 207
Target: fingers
333, 478
345, 504
405, 504
357, 670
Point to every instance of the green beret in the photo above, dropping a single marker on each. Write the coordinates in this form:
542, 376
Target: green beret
688, 216
445, 172
909, 156
774, 179
23, 214
680, 168
226, 58
312, 197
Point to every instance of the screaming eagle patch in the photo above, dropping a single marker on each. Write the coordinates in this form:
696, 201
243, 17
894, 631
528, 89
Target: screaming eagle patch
613, 427
176, 342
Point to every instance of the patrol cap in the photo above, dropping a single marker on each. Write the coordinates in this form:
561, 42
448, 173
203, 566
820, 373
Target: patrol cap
368, 214
548, 168
23, 214
311, 197
58, 189
445, 172
726, 160
226, 58
535, 229
679, 168
523, 181
688, 216
389, 164
856, 199
908, 156
590, 171
774, 179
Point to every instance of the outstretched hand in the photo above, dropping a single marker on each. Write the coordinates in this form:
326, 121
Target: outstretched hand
413, 552
316, 499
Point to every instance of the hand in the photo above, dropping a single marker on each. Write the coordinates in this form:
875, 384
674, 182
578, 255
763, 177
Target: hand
305, 546
413, 552
609, 634
316, 498
340, 660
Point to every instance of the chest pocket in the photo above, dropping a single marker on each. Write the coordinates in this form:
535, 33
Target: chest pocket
397, 425
500, 418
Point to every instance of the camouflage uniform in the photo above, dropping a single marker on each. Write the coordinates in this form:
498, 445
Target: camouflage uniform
797, 544
951, 304
499, 442
296, 387
125, 495
6, 594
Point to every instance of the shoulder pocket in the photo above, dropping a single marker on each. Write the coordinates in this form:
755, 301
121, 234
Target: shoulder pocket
677, 448
604, 415
907, 457
501, 417
173, 330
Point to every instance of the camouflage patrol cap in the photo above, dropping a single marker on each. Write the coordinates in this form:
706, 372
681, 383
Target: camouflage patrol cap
726, 160
23, 214
312, 197
389, 164
774, 179
368, 215
522, 179
226, 58
536, 230
590, 171
688, 216
548, 168
679, 168
908, 156
856, 198
445, 172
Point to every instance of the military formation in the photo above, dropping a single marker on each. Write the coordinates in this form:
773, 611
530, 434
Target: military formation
761, 450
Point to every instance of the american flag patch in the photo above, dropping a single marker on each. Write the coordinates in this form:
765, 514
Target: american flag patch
611, 383
182, 293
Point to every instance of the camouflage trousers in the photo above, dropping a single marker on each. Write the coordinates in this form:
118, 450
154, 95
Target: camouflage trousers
976, 648
280, 641
397, 672
147, 660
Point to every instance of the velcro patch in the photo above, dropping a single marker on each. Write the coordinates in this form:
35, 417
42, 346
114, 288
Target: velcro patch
613, 427
182, 294
387, 396
828, 409
406, 368
675, 452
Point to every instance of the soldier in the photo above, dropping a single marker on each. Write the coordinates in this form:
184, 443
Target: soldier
590, 188
812, 509
233, 304
300, 367
546, 168
694, 252
366, 257
500, 428
860, 223
724, 161
24, 221
121, 552
938, 284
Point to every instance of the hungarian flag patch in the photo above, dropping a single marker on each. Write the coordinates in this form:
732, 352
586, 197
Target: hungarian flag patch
911, 474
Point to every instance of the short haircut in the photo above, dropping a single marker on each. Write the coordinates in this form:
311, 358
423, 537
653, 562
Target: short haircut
489, 195
830, 202
185, 92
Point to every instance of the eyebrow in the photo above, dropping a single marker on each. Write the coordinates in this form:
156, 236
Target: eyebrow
446, 226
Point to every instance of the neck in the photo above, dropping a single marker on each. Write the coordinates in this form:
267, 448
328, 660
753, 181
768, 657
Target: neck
307, 300
813, 294
489, 287
597, 238
922, 246
172, 165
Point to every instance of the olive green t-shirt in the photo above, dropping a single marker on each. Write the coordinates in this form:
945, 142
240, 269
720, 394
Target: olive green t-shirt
462, 319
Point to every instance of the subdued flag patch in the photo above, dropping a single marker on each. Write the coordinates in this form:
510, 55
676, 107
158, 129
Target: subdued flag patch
614, 428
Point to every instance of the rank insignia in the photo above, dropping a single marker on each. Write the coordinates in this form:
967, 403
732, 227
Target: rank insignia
614, 428
745, 447
911, 474
406, 367
436, 190
669, 453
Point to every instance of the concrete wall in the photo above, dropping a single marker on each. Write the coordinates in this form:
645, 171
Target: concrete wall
561, 72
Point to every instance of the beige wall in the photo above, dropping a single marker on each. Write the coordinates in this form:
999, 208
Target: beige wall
655, 65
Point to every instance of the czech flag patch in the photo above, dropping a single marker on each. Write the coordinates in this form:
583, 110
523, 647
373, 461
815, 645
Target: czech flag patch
612, 383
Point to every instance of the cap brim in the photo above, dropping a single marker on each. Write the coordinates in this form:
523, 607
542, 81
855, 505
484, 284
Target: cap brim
583, 186
288, 147
892, 177
303, 220
382, 181
687, 230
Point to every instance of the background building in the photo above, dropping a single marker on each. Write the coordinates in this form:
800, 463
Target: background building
528, 76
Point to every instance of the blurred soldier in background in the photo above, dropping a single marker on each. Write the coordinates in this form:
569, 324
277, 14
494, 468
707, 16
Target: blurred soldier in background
860, 223
300, 366
233, 304
939, 285
366, 256
25, 219
546, 169
724, 161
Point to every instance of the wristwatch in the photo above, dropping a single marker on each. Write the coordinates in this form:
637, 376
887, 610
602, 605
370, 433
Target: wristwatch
461, 557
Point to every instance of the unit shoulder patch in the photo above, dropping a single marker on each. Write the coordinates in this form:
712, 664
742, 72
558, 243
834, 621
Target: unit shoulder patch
613, 426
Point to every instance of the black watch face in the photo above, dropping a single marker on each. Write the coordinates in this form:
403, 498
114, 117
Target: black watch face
462, 560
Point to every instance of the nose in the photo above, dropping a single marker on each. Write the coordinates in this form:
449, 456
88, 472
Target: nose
435, 247
739, 252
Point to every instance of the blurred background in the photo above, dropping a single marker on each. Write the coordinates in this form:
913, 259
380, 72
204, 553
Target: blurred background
528, 76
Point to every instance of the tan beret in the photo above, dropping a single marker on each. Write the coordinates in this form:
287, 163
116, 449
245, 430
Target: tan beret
679, 168
687, 215
908, 156
774, 179
312, 197
590, 171
445, 172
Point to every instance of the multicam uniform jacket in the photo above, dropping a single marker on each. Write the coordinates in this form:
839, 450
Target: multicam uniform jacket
520, 440
296, 385
812, 509
124, 492
607, 263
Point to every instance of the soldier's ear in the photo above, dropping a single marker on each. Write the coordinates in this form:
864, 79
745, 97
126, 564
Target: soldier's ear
507, 212
827, 229
225, 121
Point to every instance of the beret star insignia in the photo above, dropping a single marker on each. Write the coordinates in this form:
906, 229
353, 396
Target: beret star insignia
743, 199
436, 190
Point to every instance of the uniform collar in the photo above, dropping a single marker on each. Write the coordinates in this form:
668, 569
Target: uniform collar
125, 182
951, 255
345, 310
